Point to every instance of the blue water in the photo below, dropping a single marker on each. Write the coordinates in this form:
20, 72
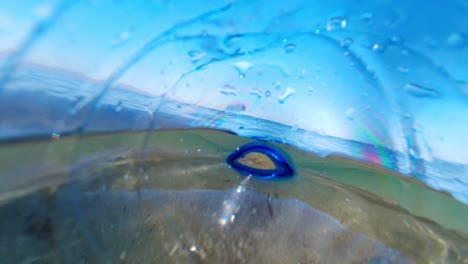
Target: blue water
178, 201
375, 81
58, 109
378, 81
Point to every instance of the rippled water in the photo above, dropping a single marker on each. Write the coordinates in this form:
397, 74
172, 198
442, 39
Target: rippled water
178, 201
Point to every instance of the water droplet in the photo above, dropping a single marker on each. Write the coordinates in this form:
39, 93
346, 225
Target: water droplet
257, 93
336, 23
420, 91
121, 38
235, 107
196, 55
378, 47
242, 67
350, 113
394, 40
277, 85
286, 94
289, 48
259, 71
366, 17
267, 93
240, 188
229, 90
457, 40
346, 42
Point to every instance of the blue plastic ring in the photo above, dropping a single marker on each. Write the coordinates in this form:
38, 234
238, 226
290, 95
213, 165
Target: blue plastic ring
282, 167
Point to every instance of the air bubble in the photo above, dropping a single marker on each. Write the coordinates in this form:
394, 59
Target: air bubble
336, 23
378, 47
394, 40
346, 42
286, 94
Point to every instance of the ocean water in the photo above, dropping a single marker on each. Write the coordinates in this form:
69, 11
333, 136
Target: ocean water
72, 192
175, 200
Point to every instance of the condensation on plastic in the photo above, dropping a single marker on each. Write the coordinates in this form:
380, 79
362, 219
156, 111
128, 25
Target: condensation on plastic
378, 81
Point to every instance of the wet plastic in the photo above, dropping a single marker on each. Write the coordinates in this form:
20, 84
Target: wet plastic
383, 83
377, 81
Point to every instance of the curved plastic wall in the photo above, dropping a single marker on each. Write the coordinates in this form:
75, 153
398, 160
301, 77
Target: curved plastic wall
378, 81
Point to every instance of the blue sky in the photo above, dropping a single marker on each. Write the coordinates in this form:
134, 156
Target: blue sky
353, 91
